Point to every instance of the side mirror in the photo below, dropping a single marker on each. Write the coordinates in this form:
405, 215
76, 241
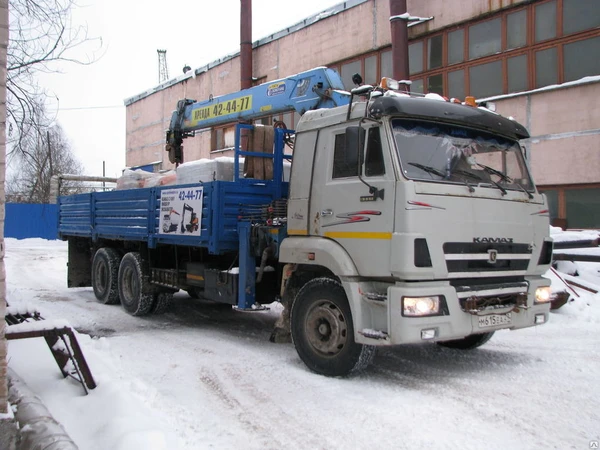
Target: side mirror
355, 146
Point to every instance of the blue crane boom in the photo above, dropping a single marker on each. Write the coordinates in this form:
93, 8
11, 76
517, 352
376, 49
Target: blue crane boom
313, 89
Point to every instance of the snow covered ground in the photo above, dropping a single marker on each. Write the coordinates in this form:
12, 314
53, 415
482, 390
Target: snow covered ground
206, 377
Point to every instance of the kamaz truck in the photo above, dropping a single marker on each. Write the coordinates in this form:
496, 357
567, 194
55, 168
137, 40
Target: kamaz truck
405, 219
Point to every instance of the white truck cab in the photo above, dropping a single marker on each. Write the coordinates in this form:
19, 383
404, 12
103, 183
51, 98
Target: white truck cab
410, 219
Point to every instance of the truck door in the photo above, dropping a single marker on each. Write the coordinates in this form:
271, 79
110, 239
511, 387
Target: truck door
341, 207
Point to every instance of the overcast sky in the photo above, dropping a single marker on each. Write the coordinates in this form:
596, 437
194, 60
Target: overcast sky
90, 98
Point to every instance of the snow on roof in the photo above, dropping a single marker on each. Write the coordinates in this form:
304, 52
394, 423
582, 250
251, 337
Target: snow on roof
552, 87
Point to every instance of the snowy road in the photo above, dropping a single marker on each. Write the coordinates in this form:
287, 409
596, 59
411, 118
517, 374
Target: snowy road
206, 377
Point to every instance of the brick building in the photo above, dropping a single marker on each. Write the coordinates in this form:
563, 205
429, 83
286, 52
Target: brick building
534, 60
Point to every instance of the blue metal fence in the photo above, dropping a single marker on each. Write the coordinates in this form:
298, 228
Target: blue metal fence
31, 220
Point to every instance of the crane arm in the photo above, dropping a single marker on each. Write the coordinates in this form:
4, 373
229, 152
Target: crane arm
313, 89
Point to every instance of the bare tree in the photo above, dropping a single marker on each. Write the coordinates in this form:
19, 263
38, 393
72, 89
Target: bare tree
42, 155
41, 35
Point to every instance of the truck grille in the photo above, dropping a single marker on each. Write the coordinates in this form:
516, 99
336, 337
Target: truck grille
468, 259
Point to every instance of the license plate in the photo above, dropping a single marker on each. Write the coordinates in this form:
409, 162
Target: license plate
494, 320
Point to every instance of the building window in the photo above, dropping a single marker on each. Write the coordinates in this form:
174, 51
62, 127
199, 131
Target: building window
341, 169
435, 84
517, 73
417, 86
545, 21
435, 47
546, 67
456, 46
583, 208
415, 57
532, 45
579, 61
386, 64
516, 29
579, 15
486, 79
370, 76
348, 70
485, 38
456, 84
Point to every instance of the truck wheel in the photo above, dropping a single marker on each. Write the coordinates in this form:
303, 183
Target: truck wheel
161, 302
105, 273
323, 332
135, 292
468, 343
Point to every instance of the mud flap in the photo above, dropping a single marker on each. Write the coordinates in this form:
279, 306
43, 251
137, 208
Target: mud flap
79, 265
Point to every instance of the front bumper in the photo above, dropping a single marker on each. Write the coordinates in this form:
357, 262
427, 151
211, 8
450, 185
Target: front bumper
456, 323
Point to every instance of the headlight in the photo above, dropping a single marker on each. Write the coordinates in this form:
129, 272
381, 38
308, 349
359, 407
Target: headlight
421, 306
543, 294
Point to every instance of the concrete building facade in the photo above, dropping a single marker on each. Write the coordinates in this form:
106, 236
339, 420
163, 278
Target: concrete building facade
535, 60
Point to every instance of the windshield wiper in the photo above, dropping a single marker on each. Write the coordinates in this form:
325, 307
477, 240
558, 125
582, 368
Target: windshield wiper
477, 177
505, 178
524, 190
466, 174
493, 171
429, 169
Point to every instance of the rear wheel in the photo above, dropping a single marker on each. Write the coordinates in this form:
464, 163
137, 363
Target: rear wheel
162, 302
135, 291
322, 330
468, 343
105, 274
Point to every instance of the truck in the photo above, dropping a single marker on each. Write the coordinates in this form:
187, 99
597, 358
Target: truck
405, 219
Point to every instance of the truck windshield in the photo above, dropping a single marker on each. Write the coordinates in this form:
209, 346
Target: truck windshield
450, 154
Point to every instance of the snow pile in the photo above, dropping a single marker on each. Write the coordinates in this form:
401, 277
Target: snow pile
581, 280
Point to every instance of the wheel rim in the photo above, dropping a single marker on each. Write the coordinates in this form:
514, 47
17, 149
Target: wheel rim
130, 286
326, 328
102, 275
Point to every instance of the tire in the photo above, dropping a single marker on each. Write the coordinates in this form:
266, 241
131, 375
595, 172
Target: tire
323, 332
161, 303
468, 343
105, 274
135, 291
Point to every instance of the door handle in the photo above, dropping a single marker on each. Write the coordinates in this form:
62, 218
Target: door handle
326, 212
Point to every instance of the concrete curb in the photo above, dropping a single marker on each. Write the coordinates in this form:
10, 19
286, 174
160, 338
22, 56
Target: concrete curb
38, 429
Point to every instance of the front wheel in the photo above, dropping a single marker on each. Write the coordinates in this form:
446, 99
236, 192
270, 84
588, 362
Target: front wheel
105, 272
323, 332
468, 343
135, 292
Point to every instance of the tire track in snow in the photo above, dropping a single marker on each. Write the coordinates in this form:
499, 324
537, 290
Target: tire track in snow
242, 414
285, 424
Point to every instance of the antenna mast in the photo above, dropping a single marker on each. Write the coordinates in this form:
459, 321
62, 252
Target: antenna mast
163, 71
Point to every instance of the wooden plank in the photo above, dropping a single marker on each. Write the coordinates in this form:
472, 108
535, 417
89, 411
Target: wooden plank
575, 257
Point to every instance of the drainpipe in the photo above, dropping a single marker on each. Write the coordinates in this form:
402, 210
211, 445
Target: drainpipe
246, 44
399, 28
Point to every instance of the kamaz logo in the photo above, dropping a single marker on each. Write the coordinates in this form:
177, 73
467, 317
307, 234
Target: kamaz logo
482, 240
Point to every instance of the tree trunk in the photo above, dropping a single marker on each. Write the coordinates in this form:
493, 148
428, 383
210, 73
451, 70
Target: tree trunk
3, 47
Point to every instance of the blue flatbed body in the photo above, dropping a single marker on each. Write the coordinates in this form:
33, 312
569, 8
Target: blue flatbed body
135, 214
